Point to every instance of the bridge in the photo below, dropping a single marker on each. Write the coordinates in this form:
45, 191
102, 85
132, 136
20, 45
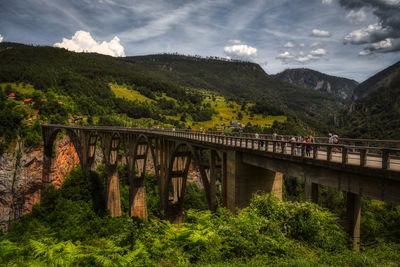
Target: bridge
246, 164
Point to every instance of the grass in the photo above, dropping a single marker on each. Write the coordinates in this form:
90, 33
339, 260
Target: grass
227, 111
23, 88
129, 94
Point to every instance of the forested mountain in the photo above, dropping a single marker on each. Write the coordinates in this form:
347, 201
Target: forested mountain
84, 77
382, 79
238, 79
338, 87
376, 115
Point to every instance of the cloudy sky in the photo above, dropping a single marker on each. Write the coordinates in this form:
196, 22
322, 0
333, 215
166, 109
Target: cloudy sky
348, 38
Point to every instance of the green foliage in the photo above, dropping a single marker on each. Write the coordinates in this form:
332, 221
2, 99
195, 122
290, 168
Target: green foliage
70, 228
33, 134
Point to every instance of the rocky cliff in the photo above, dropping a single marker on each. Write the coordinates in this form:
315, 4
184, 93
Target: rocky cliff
339, 88
21, 178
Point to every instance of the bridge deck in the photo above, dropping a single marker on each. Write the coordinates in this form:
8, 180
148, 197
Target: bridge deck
369, 156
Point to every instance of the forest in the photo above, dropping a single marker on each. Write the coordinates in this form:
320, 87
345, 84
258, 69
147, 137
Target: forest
71, 228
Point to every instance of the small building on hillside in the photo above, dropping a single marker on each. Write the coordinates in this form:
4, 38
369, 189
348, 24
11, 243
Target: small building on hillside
28, 101
11, 96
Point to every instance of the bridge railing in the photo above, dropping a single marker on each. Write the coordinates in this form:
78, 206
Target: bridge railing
359, 152
352, 153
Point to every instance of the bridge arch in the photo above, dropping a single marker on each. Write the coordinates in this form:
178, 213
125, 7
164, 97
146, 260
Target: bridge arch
137, 149
173, 197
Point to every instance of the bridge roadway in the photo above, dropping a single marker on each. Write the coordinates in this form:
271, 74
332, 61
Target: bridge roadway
245, 165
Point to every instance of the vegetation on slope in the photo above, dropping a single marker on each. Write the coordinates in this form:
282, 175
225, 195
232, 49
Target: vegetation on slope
377, 115
70, 227
238, 80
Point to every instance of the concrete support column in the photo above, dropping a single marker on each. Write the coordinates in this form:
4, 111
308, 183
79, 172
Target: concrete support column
354, 216
224, 178
137, 195
244, 180
113, 202
310, 191
110, 145
213, 178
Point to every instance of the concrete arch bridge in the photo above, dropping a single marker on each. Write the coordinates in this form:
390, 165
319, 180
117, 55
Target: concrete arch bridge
246, 164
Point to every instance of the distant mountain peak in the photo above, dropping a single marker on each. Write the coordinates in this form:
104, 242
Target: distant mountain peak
338, 87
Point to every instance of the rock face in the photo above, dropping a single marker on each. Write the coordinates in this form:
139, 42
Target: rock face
339, 88
21, 178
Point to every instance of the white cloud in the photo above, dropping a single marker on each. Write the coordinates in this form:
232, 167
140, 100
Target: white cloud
364, 53
234, 41
285, 55
1, 38
315, 44
289, 45
83, 42
302, 58
240, 50
327, 2
364, 35
301, 45
387, 43
356, 17
320, 33
318, 52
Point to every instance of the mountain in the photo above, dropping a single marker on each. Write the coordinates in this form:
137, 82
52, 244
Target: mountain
337, 87
381, 79
377, 113
237, 79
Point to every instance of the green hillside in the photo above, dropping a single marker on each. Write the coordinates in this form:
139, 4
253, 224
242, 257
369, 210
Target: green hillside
377, 113
375, 116
64, 85
238, 80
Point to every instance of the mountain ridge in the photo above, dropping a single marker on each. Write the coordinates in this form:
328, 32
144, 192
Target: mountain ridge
380, 79
338, 87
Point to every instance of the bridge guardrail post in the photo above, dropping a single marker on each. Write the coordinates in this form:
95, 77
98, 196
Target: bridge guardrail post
363, 157
315, 151
385, 159
345, 155
303, 150
274, 146
292, 149
328, 153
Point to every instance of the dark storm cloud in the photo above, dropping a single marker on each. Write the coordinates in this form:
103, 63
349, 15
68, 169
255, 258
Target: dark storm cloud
387, 30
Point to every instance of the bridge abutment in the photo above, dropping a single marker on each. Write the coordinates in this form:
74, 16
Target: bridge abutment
243, 180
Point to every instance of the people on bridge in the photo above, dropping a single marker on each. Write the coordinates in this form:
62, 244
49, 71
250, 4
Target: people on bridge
308, 146
293, 140
284, 145
333, 139
299, 140
262, 140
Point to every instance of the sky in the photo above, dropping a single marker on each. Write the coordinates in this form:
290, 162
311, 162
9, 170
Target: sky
348, 38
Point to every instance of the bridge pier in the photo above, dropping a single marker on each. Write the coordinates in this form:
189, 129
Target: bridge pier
310, 191
354, 217
110, 146
243, 180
